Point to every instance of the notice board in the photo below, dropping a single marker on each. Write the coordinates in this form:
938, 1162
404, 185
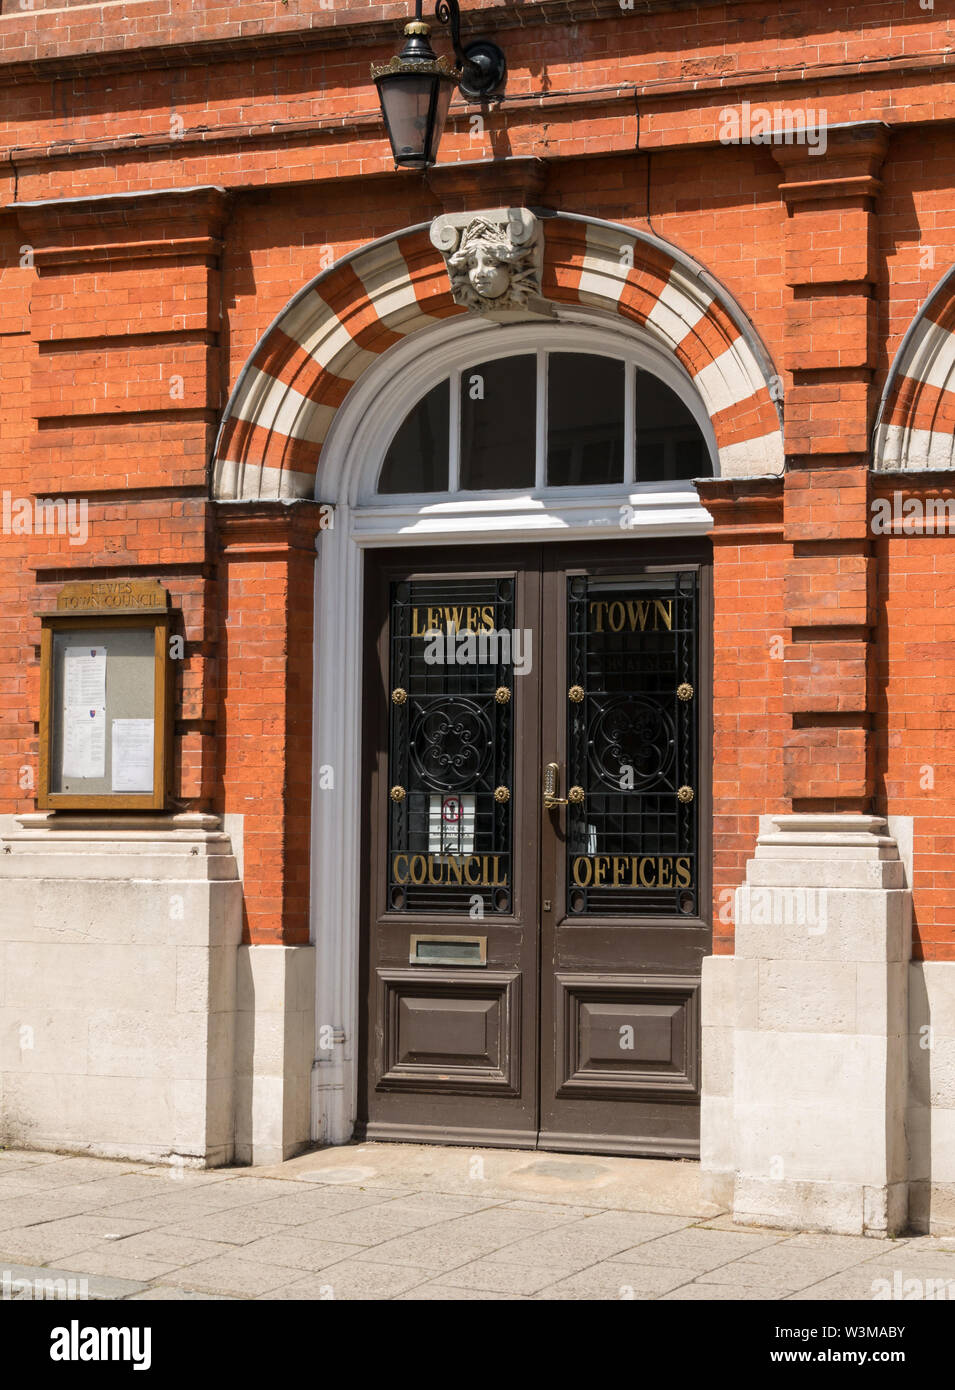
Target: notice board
106, 698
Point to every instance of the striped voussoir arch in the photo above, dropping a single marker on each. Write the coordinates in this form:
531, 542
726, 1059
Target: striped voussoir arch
915, 428
283, 405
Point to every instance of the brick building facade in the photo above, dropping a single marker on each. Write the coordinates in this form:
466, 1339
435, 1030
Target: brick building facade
211, 273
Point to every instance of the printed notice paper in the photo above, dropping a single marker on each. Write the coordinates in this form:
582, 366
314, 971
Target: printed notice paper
84, 741
84, 679
84, 712
132, 747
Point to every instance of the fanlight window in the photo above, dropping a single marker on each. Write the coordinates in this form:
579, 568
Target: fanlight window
545, 419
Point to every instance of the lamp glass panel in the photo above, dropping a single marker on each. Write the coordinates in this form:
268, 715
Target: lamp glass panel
406, 100
444, 95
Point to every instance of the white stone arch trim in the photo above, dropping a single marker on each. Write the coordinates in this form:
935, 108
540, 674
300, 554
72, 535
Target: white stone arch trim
285, 401
915, 425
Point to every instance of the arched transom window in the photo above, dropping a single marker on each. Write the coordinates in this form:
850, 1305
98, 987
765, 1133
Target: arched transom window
538, 419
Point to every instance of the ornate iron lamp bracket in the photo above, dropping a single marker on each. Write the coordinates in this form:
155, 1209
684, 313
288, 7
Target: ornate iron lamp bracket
482, 63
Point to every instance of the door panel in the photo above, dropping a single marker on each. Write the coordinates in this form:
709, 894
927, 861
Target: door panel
537, 902
444, 1033
452, 849
659, 1016
625, 863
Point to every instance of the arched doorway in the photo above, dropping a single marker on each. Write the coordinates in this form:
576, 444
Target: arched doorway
316, 412
534, 840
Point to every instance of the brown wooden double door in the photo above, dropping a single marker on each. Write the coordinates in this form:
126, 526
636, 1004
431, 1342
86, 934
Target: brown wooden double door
536, 904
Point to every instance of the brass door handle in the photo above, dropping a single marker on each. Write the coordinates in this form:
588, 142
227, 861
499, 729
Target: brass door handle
551, 786
575, 797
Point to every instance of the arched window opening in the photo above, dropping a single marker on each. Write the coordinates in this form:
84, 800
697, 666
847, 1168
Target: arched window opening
586, 408
417, 458
498, 418
544, 419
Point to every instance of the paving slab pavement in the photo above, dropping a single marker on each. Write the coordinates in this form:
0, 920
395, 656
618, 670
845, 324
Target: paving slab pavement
412, 1222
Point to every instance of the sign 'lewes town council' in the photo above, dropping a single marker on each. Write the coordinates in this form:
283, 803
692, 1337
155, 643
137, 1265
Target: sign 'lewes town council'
118, 595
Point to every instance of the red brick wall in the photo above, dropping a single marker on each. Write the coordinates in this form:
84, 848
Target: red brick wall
18, 684
750, 640
264, 715
127, 325
915, 704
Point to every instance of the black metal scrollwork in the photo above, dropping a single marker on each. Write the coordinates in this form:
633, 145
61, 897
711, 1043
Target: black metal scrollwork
633, 735
451, 744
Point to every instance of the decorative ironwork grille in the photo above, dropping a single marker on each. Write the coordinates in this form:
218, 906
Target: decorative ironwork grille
632, 745
450, 754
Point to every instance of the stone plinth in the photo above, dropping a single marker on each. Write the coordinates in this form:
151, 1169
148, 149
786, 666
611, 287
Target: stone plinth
805, 1032
118, 942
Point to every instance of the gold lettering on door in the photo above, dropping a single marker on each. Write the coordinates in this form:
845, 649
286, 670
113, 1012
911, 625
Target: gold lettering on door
632, 871
469, 619
636, 615
437, 870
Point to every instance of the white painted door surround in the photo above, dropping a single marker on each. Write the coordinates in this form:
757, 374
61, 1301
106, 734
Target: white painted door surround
351, 460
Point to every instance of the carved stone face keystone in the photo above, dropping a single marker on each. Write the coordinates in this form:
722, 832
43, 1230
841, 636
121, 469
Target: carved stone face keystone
488, 276
493, 261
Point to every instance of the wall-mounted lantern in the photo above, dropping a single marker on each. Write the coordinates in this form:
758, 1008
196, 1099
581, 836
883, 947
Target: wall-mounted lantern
416, 87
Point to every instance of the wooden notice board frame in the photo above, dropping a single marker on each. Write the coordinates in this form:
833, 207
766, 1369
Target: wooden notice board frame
100, 608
